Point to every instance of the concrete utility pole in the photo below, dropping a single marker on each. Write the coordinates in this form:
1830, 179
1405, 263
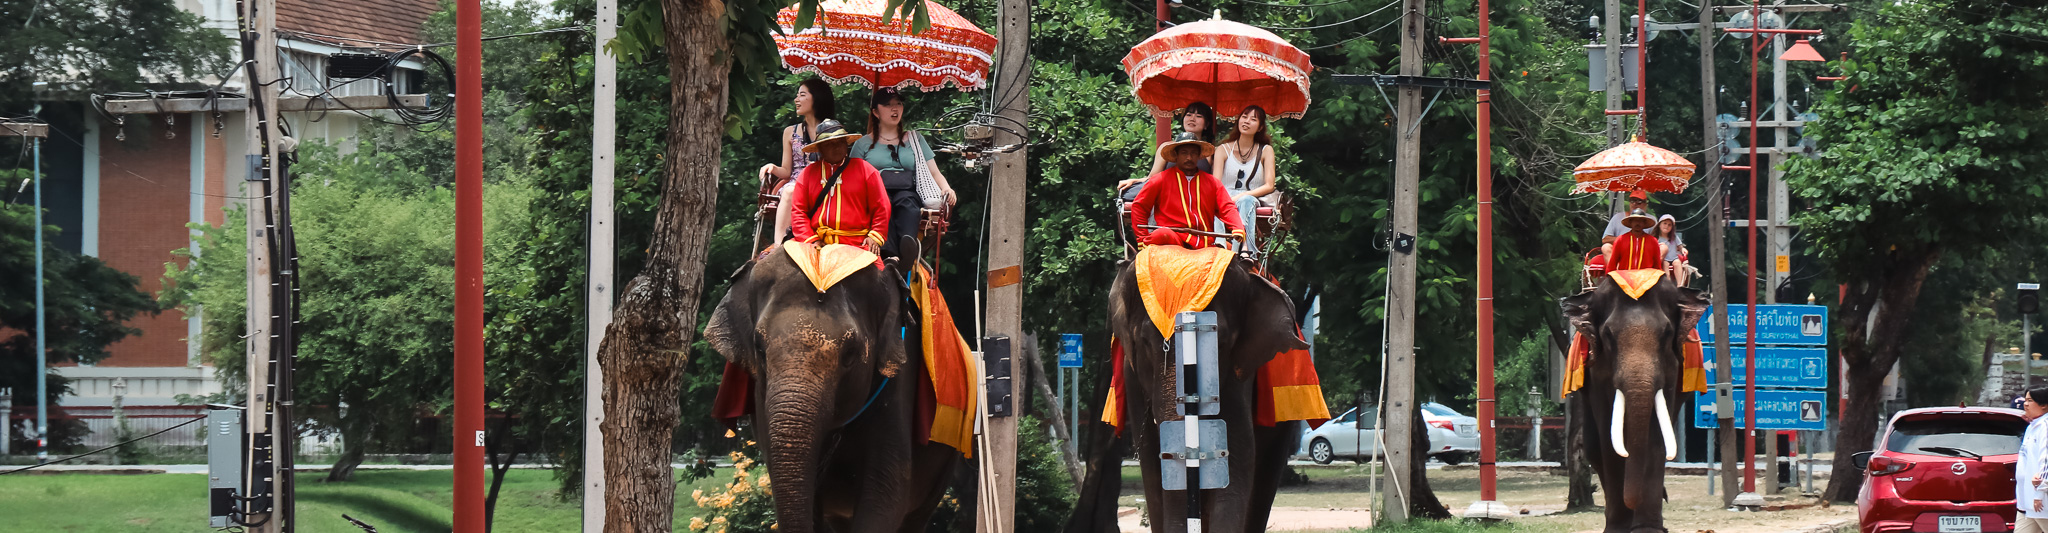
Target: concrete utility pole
1615, 90
261, 477
1778, 239
995, 505
603, 245
1717, 229
1400, 378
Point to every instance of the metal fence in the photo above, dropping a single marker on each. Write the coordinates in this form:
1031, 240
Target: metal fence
105, 430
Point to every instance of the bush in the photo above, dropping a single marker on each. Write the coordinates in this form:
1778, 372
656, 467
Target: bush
743, 505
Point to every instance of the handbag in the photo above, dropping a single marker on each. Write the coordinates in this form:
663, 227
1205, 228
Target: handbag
927, 185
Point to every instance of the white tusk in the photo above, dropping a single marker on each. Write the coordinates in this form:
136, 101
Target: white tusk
1614, 426
1664, 426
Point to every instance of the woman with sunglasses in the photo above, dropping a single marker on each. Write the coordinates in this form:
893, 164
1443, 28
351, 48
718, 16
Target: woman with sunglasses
1246, 161
899, 153
1197, 119
813, 104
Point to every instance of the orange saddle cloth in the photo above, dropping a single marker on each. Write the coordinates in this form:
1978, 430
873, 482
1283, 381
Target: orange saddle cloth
827, 265
1173, 280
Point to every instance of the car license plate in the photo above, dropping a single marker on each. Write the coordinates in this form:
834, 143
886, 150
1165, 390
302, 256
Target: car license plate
1958, 524
1468, 431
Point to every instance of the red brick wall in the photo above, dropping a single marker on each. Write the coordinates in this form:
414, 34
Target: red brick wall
145, 199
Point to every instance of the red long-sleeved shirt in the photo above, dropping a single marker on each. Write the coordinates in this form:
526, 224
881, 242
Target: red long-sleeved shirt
858, 204
1177, 200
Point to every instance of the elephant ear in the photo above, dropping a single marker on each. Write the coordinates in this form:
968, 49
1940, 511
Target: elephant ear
1270, 321
1691, 304
1578, 311
731, 331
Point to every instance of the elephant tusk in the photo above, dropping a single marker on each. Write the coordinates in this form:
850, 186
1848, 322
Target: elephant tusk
1614, 429
1664, 426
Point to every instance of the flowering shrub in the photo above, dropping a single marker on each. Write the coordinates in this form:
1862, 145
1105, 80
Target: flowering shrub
743, 505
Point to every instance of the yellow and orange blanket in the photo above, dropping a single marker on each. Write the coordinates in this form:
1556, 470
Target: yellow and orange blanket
947, 387
1635, 283
1172, 280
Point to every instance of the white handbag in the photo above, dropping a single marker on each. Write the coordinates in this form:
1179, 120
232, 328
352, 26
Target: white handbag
927, 185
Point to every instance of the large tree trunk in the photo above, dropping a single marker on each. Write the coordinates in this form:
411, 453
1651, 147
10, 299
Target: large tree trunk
355, 438
1880, 305
503, 450
1424, 503
1578, 470
646, 347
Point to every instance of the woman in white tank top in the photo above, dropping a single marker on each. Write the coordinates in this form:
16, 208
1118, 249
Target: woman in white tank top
1245, 160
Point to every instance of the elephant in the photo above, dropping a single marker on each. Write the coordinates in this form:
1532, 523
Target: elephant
1255, 321
1635, 368
835, 390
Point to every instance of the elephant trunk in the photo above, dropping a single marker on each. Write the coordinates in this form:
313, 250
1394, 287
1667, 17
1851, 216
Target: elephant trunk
1645, 466
795, 432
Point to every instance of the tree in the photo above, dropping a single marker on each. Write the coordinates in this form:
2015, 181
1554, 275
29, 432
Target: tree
99, 46
1933, 149
86, 304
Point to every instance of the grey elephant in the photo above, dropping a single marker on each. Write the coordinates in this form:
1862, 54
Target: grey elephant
835, 396
1632, 380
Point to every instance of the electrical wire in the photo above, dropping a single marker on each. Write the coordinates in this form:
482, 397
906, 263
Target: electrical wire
1332, 25
108, 447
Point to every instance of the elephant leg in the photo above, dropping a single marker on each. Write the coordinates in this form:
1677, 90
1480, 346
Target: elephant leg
932, 466
1230, 508
1273, 445
882, 453
1165, 510
1613, 480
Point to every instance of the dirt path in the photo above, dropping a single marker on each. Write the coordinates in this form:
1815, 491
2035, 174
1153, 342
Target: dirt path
1336, 500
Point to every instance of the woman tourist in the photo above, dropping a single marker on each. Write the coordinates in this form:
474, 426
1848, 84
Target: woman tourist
1245, 160
909, 172
813, 104
1197, 122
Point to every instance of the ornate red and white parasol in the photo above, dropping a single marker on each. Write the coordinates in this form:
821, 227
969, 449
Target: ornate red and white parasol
1228, 65
850, 43
1630, 166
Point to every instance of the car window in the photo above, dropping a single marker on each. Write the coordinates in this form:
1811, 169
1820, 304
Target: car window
1348, 417
1439, 409
1981, 436
1367, 418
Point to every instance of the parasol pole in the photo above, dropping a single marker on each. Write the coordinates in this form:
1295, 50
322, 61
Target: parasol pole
1162, 127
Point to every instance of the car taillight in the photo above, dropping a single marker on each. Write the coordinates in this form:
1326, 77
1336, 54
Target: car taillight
1446, 424
1881, 465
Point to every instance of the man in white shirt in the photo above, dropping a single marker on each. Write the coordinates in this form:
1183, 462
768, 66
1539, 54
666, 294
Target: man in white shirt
2031, 473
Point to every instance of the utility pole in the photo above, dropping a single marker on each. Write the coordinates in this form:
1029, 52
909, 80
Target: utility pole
1400, 312
469, 268
1717, 229
1487, 508
995, 504
603, 245
1612, 57
1778, 240
270, 509
33, 133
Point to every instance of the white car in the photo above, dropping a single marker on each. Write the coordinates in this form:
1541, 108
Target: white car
1452, 437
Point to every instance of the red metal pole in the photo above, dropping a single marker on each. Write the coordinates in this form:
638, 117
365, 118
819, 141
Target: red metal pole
469, 268
1643, 68
1749, 318
1486, 399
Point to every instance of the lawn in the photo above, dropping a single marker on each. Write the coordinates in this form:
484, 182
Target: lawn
391, 500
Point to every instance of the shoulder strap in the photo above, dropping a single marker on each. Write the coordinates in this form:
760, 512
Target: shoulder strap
831, 182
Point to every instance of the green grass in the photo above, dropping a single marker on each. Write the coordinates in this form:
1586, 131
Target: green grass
394, 501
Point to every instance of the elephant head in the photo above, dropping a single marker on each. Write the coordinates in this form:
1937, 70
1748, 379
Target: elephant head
816, 359
1254, 321
1632, 378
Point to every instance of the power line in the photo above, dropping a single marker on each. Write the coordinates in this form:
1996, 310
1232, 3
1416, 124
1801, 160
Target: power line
1353, 19
109, 447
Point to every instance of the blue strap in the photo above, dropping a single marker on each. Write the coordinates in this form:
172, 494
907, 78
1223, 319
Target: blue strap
871, 402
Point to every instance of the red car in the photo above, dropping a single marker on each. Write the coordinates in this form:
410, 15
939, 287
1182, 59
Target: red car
1941, 469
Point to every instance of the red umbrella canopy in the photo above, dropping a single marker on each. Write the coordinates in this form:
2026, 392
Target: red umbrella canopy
1631, 166
850, 43
1228, 65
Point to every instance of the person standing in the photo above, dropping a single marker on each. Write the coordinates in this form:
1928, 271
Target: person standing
2030, 474
907, 165
1183, 197
813, 104
839, 199
1247, 162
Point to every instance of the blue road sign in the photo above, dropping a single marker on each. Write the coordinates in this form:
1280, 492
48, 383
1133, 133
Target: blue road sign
1776, 324
1070, 350
1778, 409
1776, 367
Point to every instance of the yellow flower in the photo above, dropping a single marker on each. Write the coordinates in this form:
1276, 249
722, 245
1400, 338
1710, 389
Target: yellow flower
775, 526
697, 524
729, 434
750, 443
697, 495
763, 483
719, 520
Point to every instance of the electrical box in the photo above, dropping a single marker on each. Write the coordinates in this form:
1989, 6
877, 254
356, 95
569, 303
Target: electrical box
995, 359
223, 464
1596, 67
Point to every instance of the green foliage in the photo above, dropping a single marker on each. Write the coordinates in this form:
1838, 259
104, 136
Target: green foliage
100, 46
743, 504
